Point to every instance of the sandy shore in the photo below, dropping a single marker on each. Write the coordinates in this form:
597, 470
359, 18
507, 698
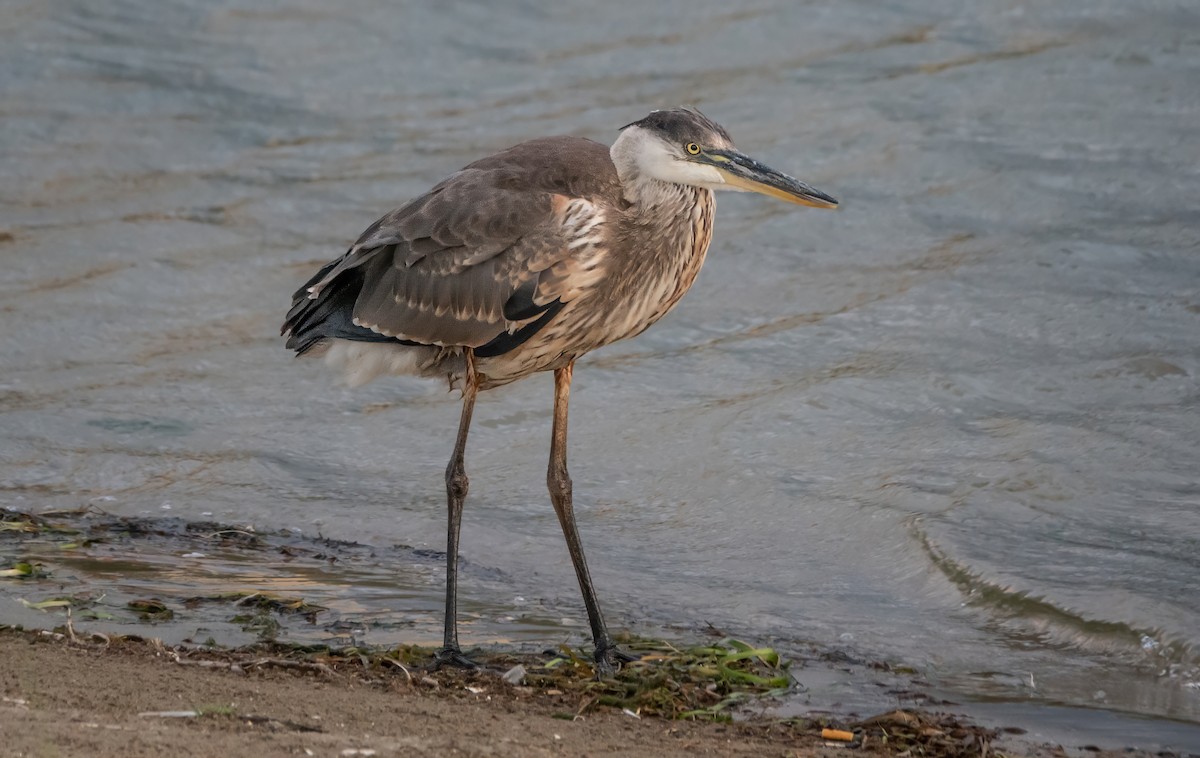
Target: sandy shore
124, 698
85, 699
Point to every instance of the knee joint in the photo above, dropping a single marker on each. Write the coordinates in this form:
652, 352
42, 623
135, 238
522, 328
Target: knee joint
559, 483
457, 482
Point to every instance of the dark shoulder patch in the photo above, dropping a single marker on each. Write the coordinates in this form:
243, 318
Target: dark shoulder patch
507, 342
521, 306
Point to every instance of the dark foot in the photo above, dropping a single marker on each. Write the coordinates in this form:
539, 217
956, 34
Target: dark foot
450, 656
610, 658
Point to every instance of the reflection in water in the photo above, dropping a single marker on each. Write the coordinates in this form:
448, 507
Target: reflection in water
953, 425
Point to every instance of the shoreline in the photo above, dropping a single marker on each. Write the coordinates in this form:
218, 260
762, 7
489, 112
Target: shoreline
131, 629
94, 694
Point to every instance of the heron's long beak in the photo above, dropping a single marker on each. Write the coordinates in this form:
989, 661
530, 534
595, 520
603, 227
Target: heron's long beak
742, 172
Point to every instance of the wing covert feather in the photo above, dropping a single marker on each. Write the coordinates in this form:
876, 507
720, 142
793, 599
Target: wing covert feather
441, 269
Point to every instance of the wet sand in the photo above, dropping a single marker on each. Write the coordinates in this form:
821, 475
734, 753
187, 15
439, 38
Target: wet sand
87, 696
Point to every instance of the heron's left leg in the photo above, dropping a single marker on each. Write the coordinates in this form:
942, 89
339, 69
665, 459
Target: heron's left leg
608, 656
456, 495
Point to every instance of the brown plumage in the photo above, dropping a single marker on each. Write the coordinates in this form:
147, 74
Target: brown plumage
522, 262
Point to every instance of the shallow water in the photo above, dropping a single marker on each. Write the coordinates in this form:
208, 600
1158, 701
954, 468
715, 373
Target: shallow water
953, 425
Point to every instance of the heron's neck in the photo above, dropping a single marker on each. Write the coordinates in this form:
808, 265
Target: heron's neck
638, 186
662, 199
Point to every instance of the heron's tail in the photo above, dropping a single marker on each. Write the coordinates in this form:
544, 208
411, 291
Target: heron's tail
327, 312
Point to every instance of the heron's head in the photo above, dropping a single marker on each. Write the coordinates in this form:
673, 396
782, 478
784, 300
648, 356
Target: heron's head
683, 146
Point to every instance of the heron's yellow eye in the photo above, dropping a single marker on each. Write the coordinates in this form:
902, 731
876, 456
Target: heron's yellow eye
692, 148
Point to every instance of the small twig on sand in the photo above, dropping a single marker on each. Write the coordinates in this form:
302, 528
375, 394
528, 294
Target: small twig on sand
204, 664
587, 703
71, 627
401, 666
286, 664
169, 714
295, 726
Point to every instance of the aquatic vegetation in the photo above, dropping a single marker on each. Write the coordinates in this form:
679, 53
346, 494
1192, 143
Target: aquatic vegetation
702, 682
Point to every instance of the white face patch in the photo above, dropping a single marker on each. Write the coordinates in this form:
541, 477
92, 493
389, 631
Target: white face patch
667, 168
655, 159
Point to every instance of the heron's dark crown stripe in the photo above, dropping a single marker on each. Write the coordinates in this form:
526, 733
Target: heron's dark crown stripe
683, 125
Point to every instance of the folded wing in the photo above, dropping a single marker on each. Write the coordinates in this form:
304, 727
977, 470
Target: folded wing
477, 261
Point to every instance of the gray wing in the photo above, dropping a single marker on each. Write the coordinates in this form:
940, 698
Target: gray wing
490, 249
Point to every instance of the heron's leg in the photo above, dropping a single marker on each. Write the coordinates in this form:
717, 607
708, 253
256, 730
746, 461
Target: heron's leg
559, 482
456, 494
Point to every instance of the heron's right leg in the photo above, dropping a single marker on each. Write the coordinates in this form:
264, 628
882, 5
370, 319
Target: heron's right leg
456, 494
608, 656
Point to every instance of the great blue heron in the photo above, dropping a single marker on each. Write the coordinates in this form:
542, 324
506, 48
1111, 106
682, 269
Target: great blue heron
522, 262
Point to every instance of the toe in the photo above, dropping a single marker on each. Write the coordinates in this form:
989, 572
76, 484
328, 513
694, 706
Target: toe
448, 656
